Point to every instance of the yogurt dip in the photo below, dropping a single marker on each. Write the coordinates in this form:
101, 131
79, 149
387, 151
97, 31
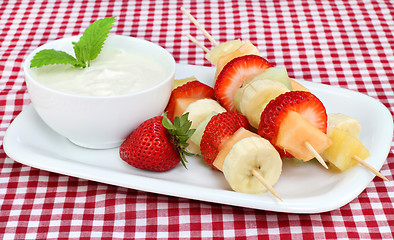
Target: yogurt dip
114, 72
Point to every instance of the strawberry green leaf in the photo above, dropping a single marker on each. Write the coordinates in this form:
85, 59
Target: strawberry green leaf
167, 123
51, 57
181, 132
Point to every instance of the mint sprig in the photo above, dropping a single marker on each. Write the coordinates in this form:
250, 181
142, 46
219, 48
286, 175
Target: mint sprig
86, 49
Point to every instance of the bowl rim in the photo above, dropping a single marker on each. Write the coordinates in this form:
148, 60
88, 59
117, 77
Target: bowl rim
27, 75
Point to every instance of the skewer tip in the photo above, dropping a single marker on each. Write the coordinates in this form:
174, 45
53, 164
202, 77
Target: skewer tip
316, 154
266, 184
370, 168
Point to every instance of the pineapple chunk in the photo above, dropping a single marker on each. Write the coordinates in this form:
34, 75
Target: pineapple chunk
222, 49
344, 122
344, 147
180, 82
295, 131
246, 49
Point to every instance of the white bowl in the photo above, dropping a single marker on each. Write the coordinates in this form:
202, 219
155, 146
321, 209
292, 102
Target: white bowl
100, 122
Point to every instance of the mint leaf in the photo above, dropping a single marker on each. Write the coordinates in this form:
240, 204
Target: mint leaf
86, 49
92, 40
51, 57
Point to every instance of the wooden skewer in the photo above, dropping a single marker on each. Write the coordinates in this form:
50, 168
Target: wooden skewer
207, 35
315, 154
369, 167
307, 144
266, 184
195, 41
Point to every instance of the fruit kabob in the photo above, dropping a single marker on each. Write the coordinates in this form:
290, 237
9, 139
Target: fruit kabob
250, 163
246, 82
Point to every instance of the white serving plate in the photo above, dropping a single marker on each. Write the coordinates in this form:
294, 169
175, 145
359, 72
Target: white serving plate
306, 188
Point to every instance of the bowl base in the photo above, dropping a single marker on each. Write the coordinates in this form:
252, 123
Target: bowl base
96, 146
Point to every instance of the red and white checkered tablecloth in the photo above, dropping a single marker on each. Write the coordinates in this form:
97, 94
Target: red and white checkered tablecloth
343, 43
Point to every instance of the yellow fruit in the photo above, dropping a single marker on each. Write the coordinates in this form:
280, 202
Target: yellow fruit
344, 146
246, 49
222, 49
294, 131
255, 97
180, 82
201, 109
277, 74
228, 144
344, 122
247, 158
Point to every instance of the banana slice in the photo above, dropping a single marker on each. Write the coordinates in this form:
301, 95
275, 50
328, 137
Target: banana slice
255, 97
247, 154
344, 122
201, 109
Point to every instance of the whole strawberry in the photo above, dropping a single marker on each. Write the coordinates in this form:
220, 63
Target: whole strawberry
157, 144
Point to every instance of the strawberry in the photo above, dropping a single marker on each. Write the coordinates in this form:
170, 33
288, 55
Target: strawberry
193, 90
157, 144
304, 103
232, 76
221, 127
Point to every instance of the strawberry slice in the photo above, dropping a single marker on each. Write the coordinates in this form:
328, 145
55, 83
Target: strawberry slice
193, 90
220, 128
304, 103
232, 76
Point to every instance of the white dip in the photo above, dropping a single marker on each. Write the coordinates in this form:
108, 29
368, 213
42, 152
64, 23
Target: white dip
113, 72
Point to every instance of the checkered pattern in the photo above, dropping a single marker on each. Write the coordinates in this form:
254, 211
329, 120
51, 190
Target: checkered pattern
344, 43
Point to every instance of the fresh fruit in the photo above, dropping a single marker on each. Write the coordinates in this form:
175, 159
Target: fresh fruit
199, 111
193, 90
277, 74
197, 135
181, 105
234, 74
296, 86
248, 154
344, 122
220, 128
252, 98
193, 148
157, 144
202, 108
304, 103
180, 82
246, 49
344, 146
241, 133
222, 50
295, 131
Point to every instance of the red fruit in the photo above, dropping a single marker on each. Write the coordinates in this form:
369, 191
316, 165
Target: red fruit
193, 89
154, 146
304, 103
221, 127
232, 76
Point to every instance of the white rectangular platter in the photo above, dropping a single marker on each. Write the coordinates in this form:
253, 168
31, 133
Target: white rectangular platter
305, 188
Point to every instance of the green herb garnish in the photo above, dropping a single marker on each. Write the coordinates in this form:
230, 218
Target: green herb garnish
86, 49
